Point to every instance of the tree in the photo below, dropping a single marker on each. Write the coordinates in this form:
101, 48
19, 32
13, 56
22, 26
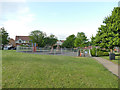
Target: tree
92, 42
69, 42
4, 35
50, 40
38, 37
81, 40
108, 35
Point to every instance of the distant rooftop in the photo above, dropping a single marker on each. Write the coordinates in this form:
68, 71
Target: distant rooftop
25, 38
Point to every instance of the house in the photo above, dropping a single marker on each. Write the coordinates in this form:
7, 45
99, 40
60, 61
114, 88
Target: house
59, 42
12, 42
22, 40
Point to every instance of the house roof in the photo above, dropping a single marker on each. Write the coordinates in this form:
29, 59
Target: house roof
61, 40
25, 38
11, 39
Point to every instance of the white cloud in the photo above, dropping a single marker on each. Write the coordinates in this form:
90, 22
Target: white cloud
18, 27
16, 18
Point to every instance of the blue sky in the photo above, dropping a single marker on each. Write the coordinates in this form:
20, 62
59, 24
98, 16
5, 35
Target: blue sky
59, 18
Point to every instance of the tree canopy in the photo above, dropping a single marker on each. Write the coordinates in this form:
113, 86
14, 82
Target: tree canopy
50, 40
81, 40
4, 35
69, 42
38, 36
108, 35
92, 42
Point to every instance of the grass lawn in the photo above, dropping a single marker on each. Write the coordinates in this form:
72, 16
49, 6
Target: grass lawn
44, 71
116, 61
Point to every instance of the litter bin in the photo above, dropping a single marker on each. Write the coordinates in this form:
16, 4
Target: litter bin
112, 56
78, 52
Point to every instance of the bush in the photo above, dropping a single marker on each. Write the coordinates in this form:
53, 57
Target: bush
101, 53
117, 54
106, 53
93, 51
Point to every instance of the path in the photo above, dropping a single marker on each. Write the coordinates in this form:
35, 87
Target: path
109, 65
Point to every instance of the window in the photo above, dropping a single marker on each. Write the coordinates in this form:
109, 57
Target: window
20, 41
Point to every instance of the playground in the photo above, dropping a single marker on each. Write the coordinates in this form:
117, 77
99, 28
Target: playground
53, 51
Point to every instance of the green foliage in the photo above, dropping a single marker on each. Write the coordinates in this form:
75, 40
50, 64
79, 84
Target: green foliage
4, 35
106, 54
50, 40
99, 52
69, 42
92, 42
24, 46
42, 39
93, 51
81, 40
108, 35
38, 37
117, 54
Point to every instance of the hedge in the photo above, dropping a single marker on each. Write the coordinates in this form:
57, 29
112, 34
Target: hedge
99, 53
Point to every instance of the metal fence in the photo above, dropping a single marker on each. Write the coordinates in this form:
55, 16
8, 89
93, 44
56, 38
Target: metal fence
55, 51
48, 51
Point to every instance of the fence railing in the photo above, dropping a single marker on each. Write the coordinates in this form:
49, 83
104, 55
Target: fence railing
49, 51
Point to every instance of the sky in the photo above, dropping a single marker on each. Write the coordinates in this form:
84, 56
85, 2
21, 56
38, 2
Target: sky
59, 18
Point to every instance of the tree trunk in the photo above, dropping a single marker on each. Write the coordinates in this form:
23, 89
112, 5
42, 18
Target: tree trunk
3, 47
51, 49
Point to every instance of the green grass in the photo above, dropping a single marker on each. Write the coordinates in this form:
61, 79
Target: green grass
116, 61
44, 71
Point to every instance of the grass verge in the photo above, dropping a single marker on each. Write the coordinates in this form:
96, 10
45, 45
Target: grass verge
22, 70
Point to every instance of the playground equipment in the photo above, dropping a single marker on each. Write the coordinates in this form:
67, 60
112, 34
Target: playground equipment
34, 47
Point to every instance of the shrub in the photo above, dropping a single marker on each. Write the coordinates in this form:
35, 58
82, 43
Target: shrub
93, 51
106, 54
117, 54
101, 53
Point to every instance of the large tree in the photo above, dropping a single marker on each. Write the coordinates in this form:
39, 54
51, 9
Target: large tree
92, 41
4, 36
69, 42
108, 35
81, 40
38, 36
50, 40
